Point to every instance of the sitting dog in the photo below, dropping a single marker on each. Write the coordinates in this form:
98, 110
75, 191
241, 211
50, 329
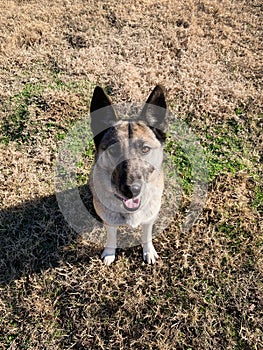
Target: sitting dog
127, 179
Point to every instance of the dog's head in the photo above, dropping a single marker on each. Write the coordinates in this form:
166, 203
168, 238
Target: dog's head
131, 151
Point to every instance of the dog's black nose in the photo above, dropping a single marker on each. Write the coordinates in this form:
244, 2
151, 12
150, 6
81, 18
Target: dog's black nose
131, 191
135, 189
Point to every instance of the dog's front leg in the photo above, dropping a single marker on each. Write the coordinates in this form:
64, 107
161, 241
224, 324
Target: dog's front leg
149, 253
108, 254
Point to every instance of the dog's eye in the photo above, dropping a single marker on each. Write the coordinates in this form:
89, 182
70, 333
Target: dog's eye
145, 149
114, 151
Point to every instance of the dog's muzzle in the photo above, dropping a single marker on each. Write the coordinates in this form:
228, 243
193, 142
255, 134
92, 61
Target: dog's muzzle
130, 196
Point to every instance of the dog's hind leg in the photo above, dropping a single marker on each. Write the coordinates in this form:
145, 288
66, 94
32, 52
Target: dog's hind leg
149, 253
108, 254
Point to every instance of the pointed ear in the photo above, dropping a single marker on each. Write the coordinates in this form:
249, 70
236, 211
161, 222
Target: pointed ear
154, 113
102, 114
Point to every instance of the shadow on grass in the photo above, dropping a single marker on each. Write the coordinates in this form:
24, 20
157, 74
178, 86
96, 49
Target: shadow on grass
33, 234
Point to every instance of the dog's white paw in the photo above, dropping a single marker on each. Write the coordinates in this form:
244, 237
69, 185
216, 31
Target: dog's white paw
149, 253
108, 255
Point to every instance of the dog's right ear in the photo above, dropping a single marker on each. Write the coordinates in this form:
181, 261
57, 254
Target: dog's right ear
102, 114
154, 113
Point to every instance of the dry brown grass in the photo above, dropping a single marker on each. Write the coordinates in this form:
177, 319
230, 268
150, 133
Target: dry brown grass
206, 290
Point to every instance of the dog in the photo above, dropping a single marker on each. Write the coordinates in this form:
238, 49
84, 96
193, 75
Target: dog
127, 179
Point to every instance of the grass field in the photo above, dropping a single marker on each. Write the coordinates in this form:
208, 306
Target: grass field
206, 291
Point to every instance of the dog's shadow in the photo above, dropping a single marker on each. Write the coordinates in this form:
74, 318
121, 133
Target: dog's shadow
33, 234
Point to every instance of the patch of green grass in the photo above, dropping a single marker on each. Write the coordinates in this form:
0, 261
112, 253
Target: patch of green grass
187, 158
76, 156
82, 179
182, 164
90, 149
9, 339
240, 110
83, 87
229, 145
60, 136
21, 123
258, 200
225, 149
14, 125
229, 230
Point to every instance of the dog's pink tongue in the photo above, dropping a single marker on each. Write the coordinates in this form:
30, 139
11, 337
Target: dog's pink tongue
132, 203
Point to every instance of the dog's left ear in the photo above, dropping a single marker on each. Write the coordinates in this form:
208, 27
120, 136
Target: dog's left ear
154, 113
102, 114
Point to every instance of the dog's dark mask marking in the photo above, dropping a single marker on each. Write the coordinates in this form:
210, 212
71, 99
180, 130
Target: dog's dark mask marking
123, 144
99, 137
128, 177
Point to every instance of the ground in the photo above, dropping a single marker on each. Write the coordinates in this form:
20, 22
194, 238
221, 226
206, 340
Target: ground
206, 290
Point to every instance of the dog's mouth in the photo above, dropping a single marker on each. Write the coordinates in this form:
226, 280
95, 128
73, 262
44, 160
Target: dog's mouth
130, 204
